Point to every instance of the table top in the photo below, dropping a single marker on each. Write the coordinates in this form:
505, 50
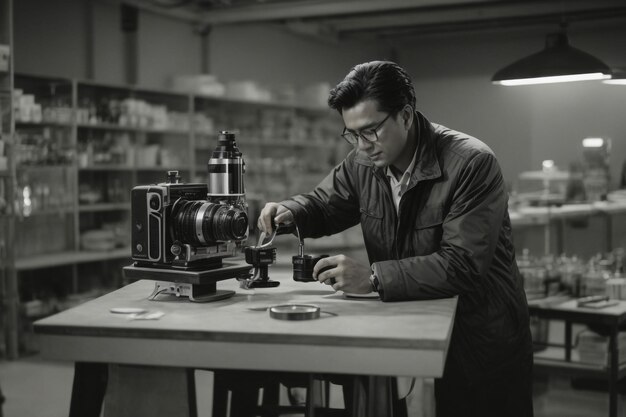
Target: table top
566, 307
362, 326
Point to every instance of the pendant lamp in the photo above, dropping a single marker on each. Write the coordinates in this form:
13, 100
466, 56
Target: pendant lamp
558, 62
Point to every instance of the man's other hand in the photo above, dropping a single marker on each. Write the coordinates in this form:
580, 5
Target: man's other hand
345, 274
273, 211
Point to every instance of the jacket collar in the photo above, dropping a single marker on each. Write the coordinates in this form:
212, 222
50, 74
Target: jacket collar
427, 165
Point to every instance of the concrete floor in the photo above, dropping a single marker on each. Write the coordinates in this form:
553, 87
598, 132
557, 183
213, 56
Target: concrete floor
37, 388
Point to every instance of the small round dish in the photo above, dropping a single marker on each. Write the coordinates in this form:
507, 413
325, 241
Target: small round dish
294, 312
127, 310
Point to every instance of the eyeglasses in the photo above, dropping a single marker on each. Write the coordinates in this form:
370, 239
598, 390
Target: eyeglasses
368, 135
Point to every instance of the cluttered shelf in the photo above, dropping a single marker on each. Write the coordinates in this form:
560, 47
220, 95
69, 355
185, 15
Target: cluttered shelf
136, 129
540, 215
264, 103
162, 168
43, 212
106, 168
43, 167
553, 359
272, 144
104, 207
21, 124
69, 257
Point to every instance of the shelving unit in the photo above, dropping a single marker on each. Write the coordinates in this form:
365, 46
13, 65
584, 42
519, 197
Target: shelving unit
82, 146
70, 257
9, 299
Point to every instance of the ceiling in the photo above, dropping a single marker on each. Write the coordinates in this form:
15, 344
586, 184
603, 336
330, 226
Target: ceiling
335, 20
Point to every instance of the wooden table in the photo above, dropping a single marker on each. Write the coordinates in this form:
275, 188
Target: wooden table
609, 318
352, 336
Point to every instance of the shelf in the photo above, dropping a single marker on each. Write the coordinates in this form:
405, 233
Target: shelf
552, 359
43, 167
129, 168
103, 207
134, 129
272, 143
148, 169
133, 89
47, 212
252, 172
19, 124
541, 216
275, 104
106, 168
70, 257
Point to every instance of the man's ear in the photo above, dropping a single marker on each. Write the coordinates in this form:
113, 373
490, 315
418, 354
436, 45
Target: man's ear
407, 116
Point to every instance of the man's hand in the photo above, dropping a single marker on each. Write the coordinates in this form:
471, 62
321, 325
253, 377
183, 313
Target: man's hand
346, 274
280, 214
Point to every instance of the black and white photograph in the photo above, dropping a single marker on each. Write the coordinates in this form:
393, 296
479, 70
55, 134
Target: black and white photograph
312, 208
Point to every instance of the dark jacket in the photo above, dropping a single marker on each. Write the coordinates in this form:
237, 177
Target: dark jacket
451, 237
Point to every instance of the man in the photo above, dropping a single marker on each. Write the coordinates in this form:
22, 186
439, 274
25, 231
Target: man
432, 205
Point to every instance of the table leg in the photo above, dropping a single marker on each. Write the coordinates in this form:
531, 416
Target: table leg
613, 372
1, 401
88, 389
568, 340
137, 391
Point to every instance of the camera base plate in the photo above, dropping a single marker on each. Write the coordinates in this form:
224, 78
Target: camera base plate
197, 286
196, 293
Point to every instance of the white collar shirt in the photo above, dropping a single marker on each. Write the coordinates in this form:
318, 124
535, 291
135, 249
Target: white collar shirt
398, 187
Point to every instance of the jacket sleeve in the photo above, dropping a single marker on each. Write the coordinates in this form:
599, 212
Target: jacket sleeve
471, 230
331, 207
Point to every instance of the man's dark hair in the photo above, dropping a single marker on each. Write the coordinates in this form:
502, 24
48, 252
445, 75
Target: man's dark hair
383, 81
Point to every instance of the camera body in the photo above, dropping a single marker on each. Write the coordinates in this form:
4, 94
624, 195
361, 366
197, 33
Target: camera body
192, 225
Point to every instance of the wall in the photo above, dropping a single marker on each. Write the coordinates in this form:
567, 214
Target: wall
270, 55
53, 38
83, 39
49, 37
527, 124
523, 125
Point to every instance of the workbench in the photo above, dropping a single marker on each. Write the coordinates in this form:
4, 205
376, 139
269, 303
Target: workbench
352, 336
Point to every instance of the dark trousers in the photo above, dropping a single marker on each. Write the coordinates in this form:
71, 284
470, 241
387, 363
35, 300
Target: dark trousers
508, 395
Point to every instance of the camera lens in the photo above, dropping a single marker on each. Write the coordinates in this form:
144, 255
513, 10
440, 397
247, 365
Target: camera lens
202, 223
225, 223
303, 267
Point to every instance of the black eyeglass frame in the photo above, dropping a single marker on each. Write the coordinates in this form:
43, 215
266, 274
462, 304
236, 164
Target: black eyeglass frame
352, 137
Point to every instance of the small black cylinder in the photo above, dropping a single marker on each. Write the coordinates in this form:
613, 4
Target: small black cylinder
303, 267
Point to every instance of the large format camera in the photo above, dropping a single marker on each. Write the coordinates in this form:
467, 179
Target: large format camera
192, 225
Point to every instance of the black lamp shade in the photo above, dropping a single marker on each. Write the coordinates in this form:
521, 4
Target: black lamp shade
557, 59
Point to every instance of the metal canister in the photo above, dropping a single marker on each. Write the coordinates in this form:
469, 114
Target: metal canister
226, 168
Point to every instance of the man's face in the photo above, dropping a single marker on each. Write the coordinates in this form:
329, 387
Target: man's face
392, 134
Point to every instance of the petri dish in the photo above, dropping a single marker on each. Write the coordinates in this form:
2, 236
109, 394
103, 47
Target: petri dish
294, 312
